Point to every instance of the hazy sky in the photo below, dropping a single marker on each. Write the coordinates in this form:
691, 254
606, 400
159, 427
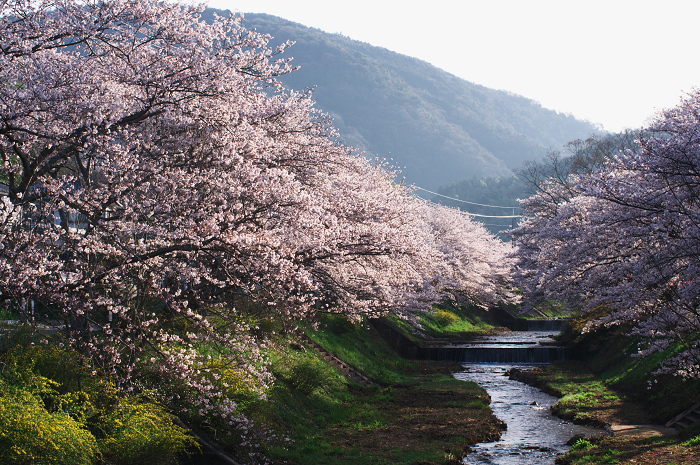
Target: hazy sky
611, 62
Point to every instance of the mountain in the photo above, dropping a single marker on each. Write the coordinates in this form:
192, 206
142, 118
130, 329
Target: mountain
437, 128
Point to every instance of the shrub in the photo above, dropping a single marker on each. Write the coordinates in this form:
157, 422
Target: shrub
44, 411
57, 377
58, 364
445, 317
236, 384
9, 313
308, 375
141, 433
29, 434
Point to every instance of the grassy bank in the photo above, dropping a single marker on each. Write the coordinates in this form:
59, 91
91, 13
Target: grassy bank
413, 412
606, 386
416, 412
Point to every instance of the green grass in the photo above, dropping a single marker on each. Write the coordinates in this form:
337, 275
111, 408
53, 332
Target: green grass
447, 320
612, 450
417, 412
608, 385
362, 348
553, 309
339, 422
365, 425
634, 378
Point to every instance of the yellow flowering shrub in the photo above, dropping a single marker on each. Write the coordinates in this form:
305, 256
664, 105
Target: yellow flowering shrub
236, 384
54, 375
59, 364
445, 317
46, 399
29, 434
141, 433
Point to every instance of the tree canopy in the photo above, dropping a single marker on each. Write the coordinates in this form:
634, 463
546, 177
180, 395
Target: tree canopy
158, 175
621, 231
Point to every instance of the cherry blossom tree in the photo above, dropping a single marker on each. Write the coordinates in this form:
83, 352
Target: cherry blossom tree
469, 264
626, 237
157, 174
144, 153
156, 171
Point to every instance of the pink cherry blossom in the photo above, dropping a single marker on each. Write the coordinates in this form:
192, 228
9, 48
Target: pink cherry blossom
627, 237
161, 181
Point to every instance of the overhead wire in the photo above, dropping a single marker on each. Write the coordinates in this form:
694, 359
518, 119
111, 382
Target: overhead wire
464, 201
477, 204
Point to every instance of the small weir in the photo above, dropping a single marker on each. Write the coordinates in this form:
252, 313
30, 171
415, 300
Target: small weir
534, 436
551, 326
518, 347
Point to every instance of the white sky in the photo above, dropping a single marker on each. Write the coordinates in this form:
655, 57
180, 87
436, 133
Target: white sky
612, 62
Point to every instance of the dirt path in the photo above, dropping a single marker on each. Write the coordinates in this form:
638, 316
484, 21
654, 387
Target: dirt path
641, 431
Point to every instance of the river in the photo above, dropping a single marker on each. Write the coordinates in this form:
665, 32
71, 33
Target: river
534, 436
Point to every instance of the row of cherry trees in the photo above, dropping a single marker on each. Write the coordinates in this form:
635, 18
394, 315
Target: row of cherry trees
626, 235
158, 173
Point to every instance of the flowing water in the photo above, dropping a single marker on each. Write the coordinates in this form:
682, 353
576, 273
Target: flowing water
534, 436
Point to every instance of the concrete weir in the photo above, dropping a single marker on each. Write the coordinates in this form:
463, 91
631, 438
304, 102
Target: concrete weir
477, 353
532, 345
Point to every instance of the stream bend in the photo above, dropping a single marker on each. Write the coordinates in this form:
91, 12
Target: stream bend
534, 436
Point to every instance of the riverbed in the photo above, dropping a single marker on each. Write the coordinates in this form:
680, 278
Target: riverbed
534, 436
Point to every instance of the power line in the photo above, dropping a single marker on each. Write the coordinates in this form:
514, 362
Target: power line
466, 201
474, 203
490, 216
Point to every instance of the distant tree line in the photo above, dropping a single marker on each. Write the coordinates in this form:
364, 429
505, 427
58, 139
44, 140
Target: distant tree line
578, 157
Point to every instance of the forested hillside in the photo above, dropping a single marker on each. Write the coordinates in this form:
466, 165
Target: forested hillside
436, 127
